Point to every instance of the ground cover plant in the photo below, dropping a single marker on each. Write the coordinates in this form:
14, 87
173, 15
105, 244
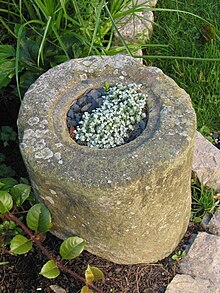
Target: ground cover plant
36, 35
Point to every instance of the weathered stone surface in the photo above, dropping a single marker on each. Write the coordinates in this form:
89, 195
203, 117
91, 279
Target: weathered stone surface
138, 27
188, 284
206, 162
214, 224
130, 203
203, 259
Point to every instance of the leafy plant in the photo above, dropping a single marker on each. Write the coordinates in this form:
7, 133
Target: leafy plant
179, 255
203, 201
12, 198
7, 134
5, 170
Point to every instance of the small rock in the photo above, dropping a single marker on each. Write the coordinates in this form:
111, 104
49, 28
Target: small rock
70, 113
214, 224
57, 289
77, 118
100, 101
202, 260
75, 107
206, 162
86, 107
189, 284
88, 99
82, 100
95, 104
95, 94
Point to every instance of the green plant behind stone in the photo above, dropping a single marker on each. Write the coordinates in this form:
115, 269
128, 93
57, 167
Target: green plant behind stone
7, 134
12, 198
203, 201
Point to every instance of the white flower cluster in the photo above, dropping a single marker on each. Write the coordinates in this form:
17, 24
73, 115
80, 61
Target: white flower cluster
109, 125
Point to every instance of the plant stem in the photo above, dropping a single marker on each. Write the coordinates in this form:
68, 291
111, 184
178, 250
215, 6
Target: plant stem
45, 251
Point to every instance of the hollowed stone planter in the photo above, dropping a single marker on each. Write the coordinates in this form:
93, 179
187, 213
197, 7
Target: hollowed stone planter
130, 203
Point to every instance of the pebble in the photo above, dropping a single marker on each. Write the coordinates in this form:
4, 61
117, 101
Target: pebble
91, 100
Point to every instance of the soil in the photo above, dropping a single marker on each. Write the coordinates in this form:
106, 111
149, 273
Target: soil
21, 275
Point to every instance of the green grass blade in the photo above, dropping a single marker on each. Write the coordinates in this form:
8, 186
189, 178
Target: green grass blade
117, 31
60, 42
98, 18
17, 59
176, 58
40, 52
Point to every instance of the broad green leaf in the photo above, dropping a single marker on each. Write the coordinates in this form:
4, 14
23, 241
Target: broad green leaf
93, 274
20, 193
85, 289
6, 51
20, 244
6, 171
7, 69
6, 202
39, 218
72, 247
50, 270
8, 183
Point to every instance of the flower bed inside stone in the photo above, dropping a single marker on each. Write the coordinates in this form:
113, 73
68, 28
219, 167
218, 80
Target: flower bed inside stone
109, 116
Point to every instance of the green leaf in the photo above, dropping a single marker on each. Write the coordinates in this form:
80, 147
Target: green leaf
50, 270
6, 202
8, 183
7, 133
20, 193
4, 263
93, 274
6, 171
39, 218
72, 247
6, 51
85, 289
20, 245
7, 69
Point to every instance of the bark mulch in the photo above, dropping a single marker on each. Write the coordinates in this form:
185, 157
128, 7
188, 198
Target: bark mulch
21, 275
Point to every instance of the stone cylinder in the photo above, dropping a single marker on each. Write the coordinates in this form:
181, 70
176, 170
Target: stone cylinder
130, 203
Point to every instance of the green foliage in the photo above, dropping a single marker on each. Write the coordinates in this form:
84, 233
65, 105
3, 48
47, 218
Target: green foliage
203, 201
187, 36
8, 229
179, 255
20, 245
7, 134
72, 247
13, 195
93, 274
5, 170
20, 193
7, 64
7, 183
39, 218
47, 33
6, 202
50, 270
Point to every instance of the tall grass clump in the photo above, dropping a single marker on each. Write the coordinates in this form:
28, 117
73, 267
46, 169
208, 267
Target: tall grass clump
37, 35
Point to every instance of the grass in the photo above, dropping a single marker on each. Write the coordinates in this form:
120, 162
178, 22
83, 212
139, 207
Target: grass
188, 36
